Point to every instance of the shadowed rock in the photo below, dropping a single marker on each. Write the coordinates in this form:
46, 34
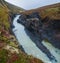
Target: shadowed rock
44, 29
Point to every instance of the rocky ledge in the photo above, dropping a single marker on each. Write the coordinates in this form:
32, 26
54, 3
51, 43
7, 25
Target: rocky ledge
45, 29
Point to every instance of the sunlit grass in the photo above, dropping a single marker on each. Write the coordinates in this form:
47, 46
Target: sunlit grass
4, 18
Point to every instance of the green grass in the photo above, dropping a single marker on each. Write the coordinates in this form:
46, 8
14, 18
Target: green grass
3, 56
4, 15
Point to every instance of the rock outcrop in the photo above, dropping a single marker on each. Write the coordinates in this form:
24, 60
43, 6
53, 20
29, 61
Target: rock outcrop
44, 29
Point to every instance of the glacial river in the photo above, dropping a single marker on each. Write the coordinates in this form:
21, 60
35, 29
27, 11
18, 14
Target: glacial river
30, 47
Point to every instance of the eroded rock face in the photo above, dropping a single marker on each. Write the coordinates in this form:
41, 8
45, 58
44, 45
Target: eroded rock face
52, 32
44, 29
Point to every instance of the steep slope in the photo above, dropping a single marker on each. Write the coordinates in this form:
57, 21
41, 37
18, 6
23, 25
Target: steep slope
10, 51
11, 7
14, 8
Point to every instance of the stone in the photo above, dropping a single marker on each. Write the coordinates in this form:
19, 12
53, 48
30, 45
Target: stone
44, 29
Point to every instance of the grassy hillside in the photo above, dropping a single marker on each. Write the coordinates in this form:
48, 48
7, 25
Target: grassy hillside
52, 11
14, 8
9, 48
4, 15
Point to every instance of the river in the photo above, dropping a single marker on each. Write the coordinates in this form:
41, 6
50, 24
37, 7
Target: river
30, 47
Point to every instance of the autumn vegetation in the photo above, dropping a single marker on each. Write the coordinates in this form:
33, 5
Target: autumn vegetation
52, 11
7, 55
9, 48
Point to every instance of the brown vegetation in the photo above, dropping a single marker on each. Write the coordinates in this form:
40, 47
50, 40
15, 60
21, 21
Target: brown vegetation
52, 11
6, 56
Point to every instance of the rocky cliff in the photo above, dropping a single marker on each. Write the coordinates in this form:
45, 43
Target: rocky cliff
47, 28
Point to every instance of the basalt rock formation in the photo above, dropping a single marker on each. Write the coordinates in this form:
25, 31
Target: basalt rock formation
44, 29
